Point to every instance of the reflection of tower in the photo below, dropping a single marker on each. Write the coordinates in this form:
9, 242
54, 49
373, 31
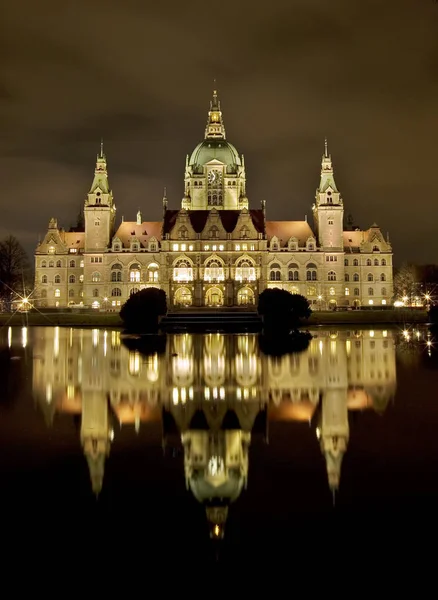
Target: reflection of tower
216, 470
334, 430
95, 435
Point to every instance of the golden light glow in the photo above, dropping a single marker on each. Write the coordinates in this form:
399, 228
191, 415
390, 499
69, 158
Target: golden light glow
217, 530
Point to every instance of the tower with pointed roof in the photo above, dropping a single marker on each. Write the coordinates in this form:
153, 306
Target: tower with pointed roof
328, 210
99, 209
214, 175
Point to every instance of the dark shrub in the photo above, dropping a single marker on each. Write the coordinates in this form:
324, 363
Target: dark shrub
141, 311
282, 310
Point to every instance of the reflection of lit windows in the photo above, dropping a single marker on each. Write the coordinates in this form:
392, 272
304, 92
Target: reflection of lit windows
115, 339
207, 393
152, 369
70, 391
216, 466
49, 393
134, 363
348, 347
95, 337
175, 395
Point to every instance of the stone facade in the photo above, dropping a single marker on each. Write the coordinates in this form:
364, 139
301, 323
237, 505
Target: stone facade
215, 250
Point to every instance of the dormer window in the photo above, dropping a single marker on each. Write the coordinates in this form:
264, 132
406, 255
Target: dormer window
376, 249
135, 247
182, 233
116, 247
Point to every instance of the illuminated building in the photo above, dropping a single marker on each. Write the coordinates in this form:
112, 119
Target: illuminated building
215, 250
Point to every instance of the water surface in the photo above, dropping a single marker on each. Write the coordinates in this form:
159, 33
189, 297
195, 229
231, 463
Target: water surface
209, 437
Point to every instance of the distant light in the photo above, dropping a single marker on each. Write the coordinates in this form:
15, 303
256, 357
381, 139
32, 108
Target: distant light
217, 530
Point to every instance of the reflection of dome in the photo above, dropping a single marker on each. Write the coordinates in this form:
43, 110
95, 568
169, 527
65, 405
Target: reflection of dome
216, 150
204, 491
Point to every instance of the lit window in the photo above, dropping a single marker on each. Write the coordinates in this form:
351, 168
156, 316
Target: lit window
221, 247
383, 301
244, 247
183, 271
245, 271
347, 291
57, 293
214, 271
152, 275
214, 248
134, 274
95, 277
175, 247
51, 250
191, 248
238, 247
370, 302
332, 291
81, 264
207, 247
183, 247
81, 278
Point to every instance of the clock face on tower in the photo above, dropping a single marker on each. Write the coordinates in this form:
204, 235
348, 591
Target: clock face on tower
214, 177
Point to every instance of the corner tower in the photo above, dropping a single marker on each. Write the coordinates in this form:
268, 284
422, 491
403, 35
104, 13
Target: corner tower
328, 210
215, 172
99, 210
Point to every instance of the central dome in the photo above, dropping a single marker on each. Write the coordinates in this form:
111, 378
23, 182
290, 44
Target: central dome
220, 150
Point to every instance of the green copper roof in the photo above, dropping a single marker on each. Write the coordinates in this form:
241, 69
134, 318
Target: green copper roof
215, 149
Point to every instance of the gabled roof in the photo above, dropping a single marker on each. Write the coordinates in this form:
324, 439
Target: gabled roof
144, 232
229, 218
73, 239
284, 230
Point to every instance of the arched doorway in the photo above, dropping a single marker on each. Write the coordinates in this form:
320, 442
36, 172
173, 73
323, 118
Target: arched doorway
183, 297
332, 304
245, 297
356, 303
214, 297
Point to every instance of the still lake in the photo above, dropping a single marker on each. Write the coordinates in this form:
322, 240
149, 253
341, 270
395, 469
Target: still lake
209, 438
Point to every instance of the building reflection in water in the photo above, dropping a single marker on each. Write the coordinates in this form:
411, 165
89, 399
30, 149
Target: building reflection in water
213, 394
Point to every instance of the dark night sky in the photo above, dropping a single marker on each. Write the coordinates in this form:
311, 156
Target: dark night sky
140, 74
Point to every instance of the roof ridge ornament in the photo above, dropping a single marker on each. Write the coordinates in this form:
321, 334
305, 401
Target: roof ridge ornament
215, 126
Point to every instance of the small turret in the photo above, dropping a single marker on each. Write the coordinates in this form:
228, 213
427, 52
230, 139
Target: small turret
215, 128
217, 517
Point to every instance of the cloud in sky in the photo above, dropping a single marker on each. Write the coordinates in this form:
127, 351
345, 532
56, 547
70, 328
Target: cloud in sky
364, 74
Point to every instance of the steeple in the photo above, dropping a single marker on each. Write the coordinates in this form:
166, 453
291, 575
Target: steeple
100, 174
327, 176
215, 129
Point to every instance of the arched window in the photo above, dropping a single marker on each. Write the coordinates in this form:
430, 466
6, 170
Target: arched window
71, 293
58, 264
347, 277
347, 291
346, 262
43, 293
134, 273
152, 274
96, 277
44, 279
376, 262
245, 270
311, 272
72, 279
214, 271
116, 276
213, 233
293, 273
382, 277
183, 233
57, 279
383, 263
332, 291
376, 249
96, 293
355, 263
356, 291
356, 277
72, 264
368, 262
370, 292
116, 292
44, 264
383, 291
183, 271
51, 263
370, 277
57, 293
275, 272
331, 276
133, 291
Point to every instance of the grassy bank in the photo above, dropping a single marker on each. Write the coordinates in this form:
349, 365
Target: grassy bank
112, 320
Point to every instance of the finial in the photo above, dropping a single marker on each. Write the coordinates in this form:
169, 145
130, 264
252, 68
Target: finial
101, 147
165, 192
325, 148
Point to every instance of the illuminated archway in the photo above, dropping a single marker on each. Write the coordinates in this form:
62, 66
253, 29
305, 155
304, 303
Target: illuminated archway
183, 297
245, 297
214, 297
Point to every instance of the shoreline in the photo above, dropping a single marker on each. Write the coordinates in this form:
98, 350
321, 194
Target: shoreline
317, 319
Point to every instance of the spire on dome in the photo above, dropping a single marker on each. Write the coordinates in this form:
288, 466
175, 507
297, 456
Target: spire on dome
327, 176
215, 126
